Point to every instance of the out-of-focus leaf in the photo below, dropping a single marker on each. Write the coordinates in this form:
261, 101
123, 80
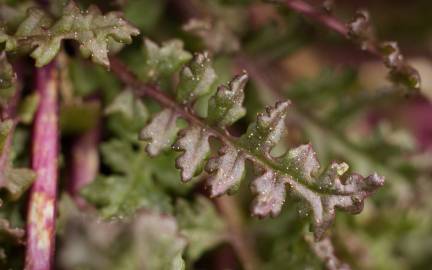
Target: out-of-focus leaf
133, 13
14, 180
77, 118
28, 107
126, 115
162, 61
325, 251
7, 80
146, 241
216, 35
131, 186
87, 78
201, 225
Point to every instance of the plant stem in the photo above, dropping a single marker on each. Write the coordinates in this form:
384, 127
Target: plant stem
326, 20
42, 204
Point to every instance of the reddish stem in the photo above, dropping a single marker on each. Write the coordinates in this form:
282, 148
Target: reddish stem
328, 21
42, 205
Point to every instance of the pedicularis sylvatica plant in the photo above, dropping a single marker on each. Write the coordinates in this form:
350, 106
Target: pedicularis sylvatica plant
141, 134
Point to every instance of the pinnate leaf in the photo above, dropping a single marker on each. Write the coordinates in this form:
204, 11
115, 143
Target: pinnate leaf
94, 31
297, 171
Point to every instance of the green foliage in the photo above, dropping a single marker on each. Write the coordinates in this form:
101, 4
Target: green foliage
136, 214
146, 241
201, 225
130, 187
162, 61
93, 31
14, 180
7, 80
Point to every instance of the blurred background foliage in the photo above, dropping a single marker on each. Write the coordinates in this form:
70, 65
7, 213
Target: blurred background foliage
343, 105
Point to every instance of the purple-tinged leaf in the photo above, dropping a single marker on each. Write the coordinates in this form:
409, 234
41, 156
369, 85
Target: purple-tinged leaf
226, 170
194, 142
161, 132
269, 190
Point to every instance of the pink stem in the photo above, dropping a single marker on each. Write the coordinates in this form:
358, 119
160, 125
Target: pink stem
42, 205
84, 162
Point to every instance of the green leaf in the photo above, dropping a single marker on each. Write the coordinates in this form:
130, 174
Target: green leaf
93, 30
196, 79
226, 106
7, 80
8, 233
132, 185
164, 60
194, 142
154, 10
6, 127
15, 180
127, 115
147, 240
77, 118
159, 242
160, 132
28, 107
200, 223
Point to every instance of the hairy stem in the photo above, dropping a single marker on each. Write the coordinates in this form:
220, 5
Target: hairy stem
42, 204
